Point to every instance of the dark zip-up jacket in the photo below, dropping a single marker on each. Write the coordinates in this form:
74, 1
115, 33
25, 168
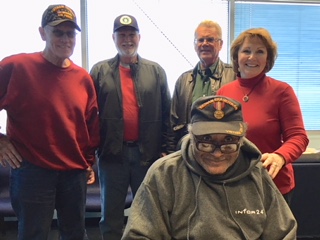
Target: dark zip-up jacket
182, 98
153, 98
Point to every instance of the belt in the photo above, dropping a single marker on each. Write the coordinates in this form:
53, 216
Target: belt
130, 143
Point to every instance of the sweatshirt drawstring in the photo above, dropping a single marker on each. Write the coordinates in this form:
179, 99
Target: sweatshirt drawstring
195, 208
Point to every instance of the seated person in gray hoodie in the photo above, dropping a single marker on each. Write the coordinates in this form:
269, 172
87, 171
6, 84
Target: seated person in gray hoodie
215, 187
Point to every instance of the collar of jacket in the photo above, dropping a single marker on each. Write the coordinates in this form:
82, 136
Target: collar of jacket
217, 75
115, 62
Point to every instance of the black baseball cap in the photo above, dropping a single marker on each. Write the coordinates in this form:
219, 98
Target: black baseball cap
125, 20
217, 114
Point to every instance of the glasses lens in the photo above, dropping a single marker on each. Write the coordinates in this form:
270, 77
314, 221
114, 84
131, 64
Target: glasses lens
208, 40
199, 40
210, 147
59, 33
71, 34
229, 148
205, 147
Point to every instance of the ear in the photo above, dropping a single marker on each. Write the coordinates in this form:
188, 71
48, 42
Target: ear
42, 33
221, 44
195, 46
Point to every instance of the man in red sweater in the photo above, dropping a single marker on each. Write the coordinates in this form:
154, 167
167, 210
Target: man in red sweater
52, 131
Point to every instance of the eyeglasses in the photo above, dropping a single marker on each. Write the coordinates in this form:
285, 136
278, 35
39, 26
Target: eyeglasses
58, 33
210, 147
208, 40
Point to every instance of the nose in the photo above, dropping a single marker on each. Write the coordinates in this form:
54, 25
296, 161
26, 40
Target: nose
251, 56
217, 153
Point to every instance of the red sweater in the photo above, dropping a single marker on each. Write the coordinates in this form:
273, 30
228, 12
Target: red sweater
52, 113
274, 121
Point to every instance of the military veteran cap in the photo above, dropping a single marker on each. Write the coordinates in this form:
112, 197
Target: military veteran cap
125, 20
56, 14
217, 114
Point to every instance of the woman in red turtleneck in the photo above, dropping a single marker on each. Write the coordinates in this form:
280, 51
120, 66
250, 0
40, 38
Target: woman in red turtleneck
270, 107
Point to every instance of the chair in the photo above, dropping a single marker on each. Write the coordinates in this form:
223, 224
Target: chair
5, 203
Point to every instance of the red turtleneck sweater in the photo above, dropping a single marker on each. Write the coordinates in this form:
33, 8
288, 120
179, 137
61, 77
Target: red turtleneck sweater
274, 120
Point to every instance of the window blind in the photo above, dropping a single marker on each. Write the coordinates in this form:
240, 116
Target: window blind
296, 29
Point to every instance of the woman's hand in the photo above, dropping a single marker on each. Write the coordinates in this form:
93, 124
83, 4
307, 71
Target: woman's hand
274, 162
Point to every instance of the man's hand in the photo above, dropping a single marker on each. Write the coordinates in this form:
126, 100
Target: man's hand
8, 153
90, 176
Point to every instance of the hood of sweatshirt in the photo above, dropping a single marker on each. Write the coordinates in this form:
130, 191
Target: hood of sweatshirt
249, 157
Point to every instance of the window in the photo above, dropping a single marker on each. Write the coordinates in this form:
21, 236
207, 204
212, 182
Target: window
20, 20
166, 28
19, 29
296, 29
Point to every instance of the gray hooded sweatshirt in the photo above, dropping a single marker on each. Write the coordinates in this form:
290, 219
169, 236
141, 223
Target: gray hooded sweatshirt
178, 199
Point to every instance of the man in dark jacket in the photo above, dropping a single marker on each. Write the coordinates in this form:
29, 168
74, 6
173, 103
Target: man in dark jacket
204, 80
215, 187
134, 103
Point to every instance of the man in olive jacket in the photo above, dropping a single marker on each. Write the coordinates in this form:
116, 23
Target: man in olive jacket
204, 80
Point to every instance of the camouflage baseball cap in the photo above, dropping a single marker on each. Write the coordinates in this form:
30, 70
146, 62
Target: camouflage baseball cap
56, 14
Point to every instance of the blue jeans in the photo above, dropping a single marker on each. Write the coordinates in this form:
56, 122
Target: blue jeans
36, 192
115, 178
